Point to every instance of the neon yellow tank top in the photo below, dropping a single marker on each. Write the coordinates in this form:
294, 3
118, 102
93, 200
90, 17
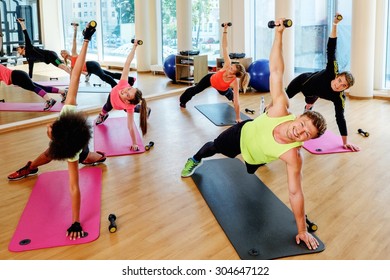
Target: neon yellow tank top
257, 141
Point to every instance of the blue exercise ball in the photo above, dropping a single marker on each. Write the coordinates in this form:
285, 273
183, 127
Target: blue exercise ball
170, 67
259, 73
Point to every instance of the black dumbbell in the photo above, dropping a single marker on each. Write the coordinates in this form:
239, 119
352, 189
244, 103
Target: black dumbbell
112, 227
311, 227
339, 17
286, 23
228, 24
150, 145
139, 42
74, 24
20, 19
364, 133
2, 100
249, 111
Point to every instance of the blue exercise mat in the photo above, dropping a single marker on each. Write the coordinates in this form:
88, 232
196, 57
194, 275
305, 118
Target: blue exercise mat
258, 224
220, 114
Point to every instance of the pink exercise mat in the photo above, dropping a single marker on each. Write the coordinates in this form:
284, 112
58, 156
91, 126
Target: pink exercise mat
48, 214
328, 143
113, 138
29, 107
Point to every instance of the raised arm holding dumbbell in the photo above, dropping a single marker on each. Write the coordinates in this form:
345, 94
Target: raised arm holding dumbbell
327, 84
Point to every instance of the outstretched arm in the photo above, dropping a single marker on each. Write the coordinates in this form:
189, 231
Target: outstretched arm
279, 100
226, 59
74, 42
129, 59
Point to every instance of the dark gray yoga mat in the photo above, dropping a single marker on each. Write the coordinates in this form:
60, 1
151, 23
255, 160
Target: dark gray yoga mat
221, 114
258, 224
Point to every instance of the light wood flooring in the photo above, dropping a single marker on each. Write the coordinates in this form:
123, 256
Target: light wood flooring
162, 216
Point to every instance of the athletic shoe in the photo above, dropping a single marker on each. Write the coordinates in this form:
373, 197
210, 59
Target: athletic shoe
87, 77
64, 96
23, 172
89, 30
101, 118
100, 160
137, 109
49, 104
190, 167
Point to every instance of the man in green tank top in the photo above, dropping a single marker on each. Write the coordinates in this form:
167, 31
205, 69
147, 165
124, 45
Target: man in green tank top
277, 134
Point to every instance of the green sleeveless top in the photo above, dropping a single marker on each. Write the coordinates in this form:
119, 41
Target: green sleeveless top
257, 142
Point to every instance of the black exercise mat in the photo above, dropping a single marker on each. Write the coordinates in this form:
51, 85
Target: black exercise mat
220, 114
257, 223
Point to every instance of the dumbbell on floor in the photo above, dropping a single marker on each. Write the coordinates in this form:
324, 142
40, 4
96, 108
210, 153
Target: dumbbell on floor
312, 227
287, 23
150, 145
112, 227
364, 133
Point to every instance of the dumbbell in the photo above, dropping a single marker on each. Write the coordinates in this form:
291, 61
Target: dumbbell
74, 24
139, 42
364, 133
150, 145
249, 111
339, 17
112, 227
92, 24
312, 227
20, 19
286, 23
228, 24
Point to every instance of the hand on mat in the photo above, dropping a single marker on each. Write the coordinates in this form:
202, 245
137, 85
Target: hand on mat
238, 120
134, 147
75, 231
351, 147
309, 239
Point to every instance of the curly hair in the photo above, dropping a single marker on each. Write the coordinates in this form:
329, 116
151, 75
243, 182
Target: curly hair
318, 121
70, 133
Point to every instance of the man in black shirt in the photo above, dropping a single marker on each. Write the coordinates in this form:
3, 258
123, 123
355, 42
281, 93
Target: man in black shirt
327, 84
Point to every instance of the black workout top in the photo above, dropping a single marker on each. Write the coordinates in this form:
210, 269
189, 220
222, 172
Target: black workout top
318, 84
34, 54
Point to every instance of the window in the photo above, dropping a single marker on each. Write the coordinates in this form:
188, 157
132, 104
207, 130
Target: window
117, 30
313, 21
168, 28
205, 35
264, 11
82, 19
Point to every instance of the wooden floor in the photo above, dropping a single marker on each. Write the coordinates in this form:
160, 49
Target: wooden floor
162, 216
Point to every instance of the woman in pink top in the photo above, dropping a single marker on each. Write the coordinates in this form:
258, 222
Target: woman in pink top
231, 75
125, 97
21, 79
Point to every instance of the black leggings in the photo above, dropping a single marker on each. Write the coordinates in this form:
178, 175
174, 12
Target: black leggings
94, 67
21, 79
296, 86
201, 86
228, 144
